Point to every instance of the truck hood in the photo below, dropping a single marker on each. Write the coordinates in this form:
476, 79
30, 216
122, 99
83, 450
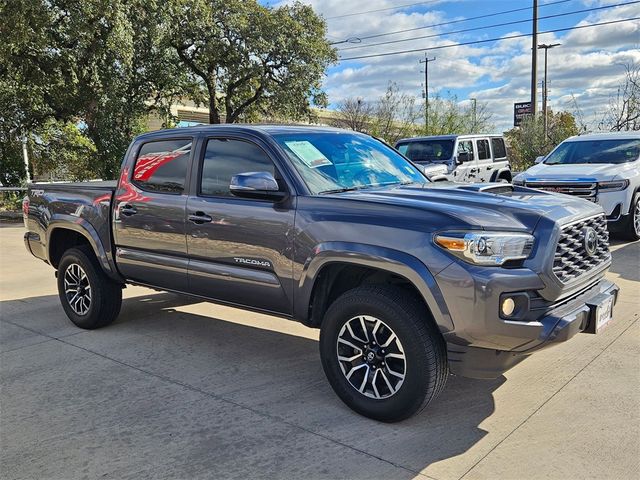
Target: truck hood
588, 172
489, 206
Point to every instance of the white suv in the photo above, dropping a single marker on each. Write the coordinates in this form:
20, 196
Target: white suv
460, 158
600, 167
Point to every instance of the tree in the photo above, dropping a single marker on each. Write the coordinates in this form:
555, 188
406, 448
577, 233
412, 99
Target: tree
249, 59
623, 111
101, 65
528, 141
448, 116
394, 115
354, 114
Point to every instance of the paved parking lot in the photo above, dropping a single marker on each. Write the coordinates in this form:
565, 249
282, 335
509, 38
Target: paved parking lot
177, 388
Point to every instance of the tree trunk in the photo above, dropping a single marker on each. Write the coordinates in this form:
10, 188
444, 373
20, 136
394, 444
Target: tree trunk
214, 116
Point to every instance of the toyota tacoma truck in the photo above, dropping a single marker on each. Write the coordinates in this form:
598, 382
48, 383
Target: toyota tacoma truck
603, 168
407, 280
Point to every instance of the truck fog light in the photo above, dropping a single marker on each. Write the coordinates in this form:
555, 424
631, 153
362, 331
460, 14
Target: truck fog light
508, 306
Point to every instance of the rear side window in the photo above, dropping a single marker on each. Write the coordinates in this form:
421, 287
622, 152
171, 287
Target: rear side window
162, 166
483, 149
225, 158
499, 150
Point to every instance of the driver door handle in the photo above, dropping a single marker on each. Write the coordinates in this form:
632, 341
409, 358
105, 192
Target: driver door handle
199, 218
128, 210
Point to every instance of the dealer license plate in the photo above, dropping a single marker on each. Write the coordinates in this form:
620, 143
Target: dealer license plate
603, 313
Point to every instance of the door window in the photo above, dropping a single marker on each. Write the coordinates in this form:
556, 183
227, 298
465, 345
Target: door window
483, 149
499, 150
162, 166
466, 147
224, 158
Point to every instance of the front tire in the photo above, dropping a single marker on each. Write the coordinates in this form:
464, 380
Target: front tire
632, 232
382, 354
89, 298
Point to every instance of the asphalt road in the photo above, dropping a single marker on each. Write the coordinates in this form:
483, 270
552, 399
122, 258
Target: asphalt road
177, 388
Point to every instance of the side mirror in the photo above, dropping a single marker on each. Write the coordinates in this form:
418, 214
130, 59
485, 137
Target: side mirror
539, 159
464, 157
260, 185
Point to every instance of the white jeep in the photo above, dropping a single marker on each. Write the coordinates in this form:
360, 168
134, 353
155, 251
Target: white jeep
600, 167
459, 158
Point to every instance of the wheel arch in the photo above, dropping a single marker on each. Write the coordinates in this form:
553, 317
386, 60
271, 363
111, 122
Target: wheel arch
504, 172
63, 233
338, 266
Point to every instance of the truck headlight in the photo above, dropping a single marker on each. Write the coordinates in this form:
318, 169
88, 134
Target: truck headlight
486, 248
613, 185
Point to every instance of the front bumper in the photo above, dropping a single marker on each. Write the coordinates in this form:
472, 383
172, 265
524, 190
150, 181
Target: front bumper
558, 324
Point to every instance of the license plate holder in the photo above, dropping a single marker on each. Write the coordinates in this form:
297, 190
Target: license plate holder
601, 313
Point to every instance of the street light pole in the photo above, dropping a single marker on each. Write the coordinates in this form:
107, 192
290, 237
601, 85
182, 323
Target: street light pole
474, 103
534, 60
546, 48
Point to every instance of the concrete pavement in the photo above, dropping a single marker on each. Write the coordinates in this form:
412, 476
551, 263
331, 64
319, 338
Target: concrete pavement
178, 388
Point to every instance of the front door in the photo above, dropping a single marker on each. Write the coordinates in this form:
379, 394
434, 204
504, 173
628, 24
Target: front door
149, 215
240, 250
467, 170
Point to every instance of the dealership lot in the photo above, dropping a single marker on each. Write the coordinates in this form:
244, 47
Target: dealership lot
178, 388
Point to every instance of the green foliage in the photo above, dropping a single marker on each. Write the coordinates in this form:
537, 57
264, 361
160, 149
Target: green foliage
447, 116
529, 141
101, 64
250, 60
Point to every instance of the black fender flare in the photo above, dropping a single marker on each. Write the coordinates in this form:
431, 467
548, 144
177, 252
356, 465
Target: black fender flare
497, 173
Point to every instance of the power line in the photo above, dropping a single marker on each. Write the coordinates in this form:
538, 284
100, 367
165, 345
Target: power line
397, 7
508, 37
504, 12
490, 26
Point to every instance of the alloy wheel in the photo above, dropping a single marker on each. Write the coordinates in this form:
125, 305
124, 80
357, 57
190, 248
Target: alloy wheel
77, 289
371, 357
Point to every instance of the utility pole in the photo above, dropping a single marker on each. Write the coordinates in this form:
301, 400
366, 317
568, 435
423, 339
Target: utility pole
534, 59
474, 107
545, 96
426, 91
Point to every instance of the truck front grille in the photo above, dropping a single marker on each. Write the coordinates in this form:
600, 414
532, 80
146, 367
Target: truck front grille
586, 190
572, 258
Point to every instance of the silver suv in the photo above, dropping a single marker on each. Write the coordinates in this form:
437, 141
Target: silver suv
460, 158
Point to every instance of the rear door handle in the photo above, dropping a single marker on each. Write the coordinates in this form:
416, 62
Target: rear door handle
128, 210
200, 218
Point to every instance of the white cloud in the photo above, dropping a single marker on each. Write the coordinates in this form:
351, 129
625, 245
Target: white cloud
588, 65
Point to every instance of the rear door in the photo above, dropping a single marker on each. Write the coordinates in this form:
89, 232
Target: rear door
485, 162
240, 250
499, 154
149, 214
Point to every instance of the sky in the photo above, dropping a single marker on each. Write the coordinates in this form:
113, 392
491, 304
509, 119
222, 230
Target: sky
588, 66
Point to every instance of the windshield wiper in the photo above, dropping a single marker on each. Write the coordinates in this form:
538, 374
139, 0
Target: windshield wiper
340, 190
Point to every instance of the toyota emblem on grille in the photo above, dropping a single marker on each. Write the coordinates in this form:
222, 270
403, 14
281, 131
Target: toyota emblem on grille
590, 241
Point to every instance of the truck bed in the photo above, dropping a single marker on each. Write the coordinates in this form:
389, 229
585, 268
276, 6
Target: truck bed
107, 185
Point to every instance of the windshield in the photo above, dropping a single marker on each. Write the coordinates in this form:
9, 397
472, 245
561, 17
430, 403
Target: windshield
331, 162
595, 151
427, 150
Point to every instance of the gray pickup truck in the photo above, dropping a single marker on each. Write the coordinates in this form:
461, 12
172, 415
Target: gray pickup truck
407, 280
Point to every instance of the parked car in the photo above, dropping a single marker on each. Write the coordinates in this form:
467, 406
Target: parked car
407, 280
603, 168
460, 158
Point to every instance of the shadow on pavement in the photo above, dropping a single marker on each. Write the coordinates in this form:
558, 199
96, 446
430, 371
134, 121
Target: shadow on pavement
272, 373
626, 260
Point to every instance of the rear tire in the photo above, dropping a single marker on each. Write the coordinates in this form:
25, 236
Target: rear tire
89, 298
366, 372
